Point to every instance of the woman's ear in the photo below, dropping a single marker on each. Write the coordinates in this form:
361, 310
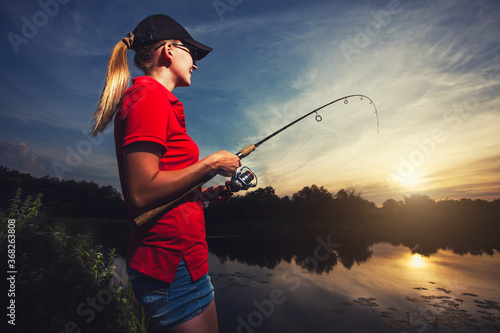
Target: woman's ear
167, 54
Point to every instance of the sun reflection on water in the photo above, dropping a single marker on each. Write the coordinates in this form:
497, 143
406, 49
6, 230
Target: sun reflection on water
395, 289
417, 261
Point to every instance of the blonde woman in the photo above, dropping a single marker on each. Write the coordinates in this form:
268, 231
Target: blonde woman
157, 161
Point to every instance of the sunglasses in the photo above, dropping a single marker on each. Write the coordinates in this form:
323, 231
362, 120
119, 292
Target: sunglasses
189, 49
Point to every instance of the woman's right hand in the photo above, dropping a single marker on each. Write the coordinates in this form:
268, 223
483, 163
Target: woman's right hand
224, 163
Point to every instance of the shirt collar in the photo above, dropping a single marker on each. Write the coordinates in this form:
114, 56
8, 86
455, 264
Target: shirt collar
174, 101
149, 80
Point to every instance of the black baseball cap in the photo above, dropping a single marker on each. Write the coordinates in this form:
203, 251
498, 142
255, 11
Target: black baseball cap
159, 27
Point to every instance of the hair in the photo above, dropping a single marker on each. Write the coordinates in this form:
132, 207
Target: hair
118, 79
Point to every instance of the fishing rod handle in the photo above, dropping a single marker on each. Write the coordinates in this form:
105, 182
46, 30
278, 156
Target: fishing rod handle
245, 151
156, 213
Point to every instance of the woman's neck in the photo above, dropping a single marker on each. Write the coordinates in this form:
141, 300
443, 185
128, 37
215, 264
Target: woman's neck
162, 75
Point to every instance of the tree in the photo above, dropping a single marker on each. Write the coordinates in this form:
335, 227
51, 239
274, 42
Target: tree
312, 202
346, 194
313, 193
417, 201
267, 193
68, 198
349, 204
390, 204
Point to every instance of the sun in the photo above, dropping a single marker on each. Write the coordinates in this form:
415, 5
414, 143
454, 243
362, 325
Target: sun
417, 261
407, 179
412, 179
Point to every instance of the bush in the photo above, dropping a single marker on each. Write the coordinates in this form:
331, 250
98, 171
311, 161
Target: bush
64, 282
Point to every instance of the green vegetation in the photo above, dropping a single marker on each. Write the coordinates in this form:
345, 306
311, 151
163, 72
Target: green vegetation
64, 282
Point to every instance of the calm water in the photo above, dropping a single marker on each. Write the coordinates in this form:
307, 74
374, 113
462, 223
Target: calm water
334, 287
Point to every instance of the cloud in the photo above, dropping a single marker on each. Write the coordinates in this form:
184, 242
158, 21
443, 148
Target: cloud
428, 66
19, 157
418, 81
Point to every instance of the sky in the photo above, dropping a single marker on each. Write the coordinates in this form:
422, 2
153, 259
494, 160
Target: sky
432, 68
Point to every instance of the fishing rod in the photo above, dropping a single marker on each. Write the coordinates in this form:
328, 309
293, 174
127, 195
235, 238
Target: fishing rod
245, 178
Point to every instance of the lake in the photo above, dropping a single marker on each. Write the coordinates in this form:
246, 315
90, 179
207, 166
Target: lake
324, 286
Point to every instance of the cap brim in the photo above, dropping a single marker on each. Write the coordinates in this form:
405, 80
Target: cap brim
202, 51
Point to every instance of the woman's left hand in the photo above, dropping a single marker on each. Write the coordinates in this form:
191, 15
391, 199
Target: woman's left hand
217, 194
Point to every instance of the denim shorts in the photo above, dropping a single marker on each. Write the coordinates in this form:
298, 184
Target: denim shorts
169, 305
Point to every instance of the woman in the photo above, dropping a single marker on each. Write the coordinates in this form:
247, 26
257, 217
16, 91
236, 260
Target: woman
157, 161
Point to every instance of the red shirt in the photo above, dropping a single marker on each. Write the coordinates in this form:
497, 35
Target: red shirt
150, 112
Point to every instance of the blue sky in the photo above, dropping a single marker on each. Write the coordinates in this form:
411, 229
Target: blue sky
431, 67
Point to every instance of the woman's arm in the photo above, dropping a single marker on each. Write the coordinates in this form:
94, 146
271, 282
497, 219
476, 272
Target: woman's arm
147, 186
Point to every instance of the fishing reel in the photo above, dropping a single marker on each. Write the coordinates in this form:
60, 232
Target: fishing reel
242, 180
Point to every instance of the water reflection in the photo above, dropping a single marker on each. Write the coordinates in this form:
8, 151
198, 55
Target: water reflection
352, 284
320, 254
417, 261
348, 249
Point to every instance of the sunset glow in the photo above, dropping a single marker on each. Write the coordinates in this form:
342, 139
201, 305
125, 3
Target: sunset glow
431, 68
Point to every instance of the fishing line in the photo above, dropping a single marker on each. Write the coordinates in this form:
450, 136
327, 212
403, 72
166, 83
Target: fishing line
318, 118
244, 152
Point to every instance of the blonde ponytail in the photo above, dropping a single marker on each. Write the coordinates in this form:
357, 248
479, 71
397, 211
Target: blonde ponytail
117, 81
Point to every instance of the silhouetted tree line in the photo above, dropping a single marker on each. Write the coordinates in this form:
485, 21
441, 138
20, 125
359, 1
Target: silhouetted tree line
63, 198
422, 202
82, 199
312, 203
